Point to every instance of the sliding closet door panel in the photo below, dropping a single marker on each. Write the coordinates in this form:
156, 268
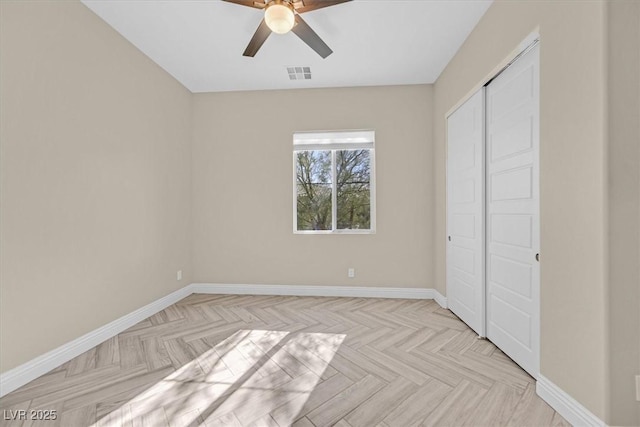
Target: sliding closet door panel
465, 212
513, 229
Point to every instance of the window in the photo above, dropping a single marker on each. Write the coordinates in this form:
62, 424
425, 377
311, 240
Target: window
334, 187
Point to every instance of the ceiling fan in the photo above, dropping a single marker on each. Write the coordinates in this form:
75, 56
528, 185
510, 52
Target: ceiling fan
282, 16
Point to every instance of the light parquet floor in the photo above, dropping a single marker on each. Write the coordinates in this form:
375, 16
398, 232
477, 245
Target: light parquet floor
221, 360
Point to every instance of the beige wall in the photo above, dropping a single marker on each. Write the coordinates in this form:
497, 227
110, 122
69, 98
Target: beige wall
95, 183
573, 176
243, 185
624, 208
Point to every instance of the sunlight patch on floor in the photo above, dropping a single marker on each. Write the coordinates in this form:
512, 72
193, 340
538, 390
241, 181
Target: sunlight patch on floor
250, 375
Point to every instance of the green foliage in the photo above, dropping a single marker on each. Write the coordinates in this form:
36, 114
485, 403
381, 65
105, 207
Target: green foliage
353, 189
313, 177
314, 187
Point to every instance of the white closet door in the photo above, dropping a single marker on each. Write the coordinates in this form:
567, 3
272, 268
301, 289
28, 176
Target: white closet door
465, 212
513, 227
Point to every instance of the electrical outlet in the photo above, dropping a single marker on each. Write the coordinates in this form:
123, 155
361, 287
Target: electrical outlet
351, 273
179, 275
638, 388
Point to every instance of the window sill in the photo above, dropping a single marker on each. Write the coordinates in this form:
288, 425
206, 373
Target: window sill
334, 232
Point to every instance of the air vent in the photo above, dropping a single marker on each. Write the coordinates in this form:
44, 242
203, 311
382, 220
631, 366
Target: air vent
299, 73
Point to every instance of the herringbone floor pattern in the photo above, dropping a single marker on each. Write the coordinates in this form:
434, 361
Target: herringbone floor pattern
278, 361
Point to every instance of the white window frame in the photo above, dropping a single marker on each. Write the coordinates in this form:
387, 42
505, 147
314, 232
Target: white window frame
334, 141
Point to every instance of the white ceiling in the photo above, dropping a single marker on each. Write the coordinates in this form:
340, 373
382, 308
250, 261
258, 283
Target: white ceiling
375, 42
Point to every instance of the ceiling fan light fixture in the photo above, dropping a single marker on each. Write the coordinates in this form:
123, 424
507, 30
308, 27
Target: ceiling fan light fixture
279, 16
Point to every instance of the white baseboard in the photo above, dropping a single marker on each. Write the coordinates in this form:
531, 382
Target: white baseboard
21, 375
319, 291
440, 299
34, 368
565, 405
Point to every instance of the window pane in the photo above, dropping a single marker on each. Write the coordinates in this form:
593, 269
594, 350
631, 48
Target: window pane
353, 184
313, 181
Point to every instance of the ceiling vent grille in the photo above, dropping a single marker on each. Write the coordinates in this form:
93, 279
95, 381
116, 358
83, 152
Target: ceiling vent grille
299, 73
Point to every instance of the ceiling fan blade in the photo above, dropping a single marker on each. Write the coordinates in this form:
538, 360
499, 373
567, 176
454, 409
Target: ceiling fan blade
258, 39
309, 5
258, 4
304, 31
